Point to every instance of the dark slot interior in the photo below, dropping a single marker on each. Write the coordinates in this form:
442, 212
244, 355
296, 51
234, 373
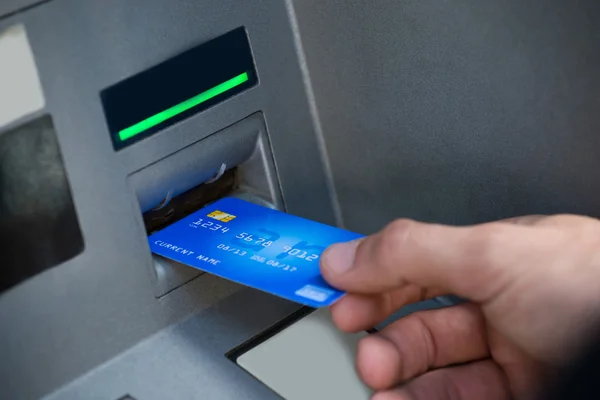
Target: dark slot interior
190, 202
39, 228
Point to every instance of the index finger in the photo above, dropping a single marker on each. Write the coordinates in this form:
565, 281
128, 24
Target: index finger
475, 262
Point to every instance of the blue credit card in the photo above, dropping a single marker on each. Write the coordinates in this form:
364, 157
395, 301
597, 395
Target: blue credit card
255, 246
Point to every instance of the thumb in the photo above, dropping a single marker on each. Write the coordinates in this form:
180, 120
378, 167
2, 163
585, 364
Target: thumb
474, 262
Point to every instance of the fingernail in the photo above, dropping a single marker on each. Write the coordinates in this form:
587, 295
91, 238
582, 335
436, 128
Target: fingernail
339, 258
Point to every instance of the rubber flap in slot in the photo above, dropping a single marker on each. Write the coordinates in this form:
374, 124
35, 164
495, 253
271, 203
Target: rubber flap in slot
196, 164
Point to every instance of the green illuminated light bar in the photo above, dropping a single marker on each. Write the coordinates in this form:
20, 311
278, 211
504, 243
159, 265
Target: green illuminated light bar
169, 113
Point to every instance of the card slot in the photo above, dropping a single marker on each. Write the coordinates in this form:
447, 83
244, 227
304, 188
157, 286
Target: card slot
233, 162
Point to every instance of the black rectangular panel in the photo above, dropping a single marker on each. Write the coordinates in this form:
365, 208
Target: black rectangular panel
39, 227
178, 88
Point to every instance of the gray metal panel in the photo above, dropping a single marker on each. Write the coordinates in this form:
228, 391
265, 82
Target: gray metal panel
65, 321
8, 7
187, 360
457, 111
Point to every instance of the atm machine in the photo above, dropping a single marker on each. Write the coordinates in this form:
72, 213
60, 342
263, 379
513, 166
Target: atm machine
118, 118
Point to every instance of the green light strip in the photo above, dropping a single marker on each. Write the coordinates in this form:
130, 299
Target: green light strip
169, 113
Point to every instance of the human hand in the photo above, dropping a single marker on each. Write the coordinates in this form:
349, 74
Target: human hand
534, 289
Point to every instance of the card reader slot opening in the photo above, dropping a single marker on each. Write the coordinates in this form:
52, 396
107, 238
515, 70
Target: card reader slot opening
236, 161
170, 274
273, 330
268, 333
190, 202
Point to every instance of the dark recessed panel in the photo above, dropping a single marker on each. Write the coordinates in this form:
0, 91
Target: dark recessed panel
39, 228
178, 88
